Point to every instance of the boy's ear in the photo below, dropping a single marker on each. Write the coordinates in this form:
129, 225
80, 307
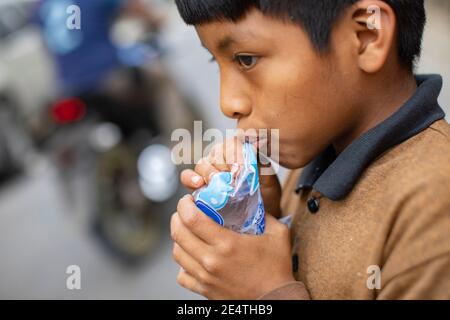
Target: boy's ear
375, 28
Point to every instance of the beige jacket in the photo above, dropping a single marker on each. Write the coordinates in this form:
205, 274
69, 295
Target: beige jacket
396, 220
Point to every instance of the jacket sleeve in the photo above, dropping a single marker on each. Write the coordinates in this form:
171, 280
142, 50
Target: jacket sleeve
417, 253
294, 290
427, 281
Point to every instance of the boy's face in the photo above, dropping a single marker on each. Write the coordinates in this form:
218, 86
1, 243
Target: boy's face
273, 78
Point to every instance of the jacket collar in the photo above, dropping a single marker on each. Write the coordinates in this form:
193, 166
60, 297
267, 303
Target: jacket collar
335, 176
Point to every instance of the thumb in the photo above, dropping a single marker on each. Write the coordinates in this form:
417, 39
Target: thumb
267, 175
270, 188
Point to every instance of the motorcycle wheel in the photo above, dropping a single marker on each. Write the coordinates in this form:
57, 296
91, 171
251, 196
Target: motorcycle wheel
124, 220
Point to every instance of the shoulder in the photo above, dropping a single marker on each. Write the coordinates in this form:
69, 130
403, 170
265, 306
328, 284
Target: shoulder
422, 161
418, 173
442, 128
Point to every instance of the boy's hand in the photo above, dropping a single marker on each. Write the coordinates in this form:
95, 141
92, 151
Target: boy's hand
221, 264
224, 157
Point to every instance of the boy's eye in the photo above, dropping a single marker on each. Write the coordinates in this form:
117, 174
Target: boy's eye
246, 61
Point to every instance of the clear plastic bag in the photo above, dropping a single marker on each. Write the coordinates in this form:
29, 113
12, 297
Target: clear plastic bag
234, 201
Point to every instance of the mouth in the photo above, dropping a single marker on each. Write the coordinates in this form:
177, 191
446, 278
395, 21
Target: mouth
255, 140
260, 143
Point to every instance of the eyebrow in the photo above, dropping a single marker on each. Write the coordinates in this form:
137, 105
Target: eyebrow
223, 44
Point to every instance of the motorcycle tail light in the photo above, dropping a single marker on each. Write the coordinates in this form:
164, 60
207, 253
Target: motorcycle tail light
68, 110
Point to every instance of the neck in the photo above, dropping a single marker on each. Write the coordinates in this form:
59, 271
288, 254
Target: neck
380, 102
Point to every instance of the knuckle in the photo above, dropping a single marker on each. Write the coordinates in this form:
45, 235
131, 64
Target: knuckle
174, 234
211, 264
175, 253
227, 247
192, 220
174, 228
204, 278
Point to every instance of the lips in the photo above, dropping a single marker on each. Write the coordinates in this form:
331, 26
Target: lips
256, 141
261, 139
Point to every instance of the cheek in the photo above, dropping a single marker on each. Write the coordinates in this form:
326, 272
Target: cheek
303, 106
295, 102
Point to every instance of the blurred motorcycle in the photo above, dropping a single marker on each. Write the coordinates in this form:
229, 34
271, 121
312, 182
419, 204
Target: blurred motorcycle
117, 141
108, 131
131, 178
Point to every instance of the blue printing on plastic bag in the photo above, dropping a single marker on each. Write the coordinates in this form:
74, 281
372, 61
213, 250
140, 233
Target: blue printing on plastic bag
210, 212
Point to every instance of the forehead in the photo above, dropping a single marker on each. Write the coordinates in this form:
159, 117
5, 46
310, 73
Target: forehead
254, 26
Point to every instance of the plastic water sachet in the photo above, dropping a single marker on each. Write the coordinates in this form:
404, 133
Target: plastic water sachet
234, 200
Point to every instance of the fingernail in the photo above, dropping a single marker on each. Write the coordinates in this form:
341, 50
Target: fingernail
196, 179
186, 196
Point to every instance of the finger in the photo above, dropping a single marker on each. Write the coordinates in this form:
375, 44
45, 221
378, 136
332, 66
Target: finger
192, 180
227, 156
266, 169
217, 159
233, 151
190, 265
270, 188
267, 176
199, 223
205, 169
273, 226
187, 281
186, 239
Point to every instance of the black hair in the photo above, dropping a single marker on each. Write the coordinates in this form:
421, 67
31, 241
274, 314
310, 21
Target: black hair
316, 17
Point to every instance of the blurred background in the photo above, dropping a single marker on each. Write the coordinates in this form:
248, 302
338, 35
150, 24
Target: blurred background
86, 116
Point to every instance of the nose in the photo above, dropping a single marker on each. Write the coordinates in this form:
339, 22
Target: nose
235, 101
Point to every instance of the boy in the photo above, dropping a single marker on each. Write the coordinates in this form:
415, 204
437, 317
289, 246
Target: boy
366, 139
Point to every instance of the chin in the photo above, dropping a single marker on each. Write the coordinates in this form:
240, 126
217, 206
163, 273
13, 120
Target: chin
293, 161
